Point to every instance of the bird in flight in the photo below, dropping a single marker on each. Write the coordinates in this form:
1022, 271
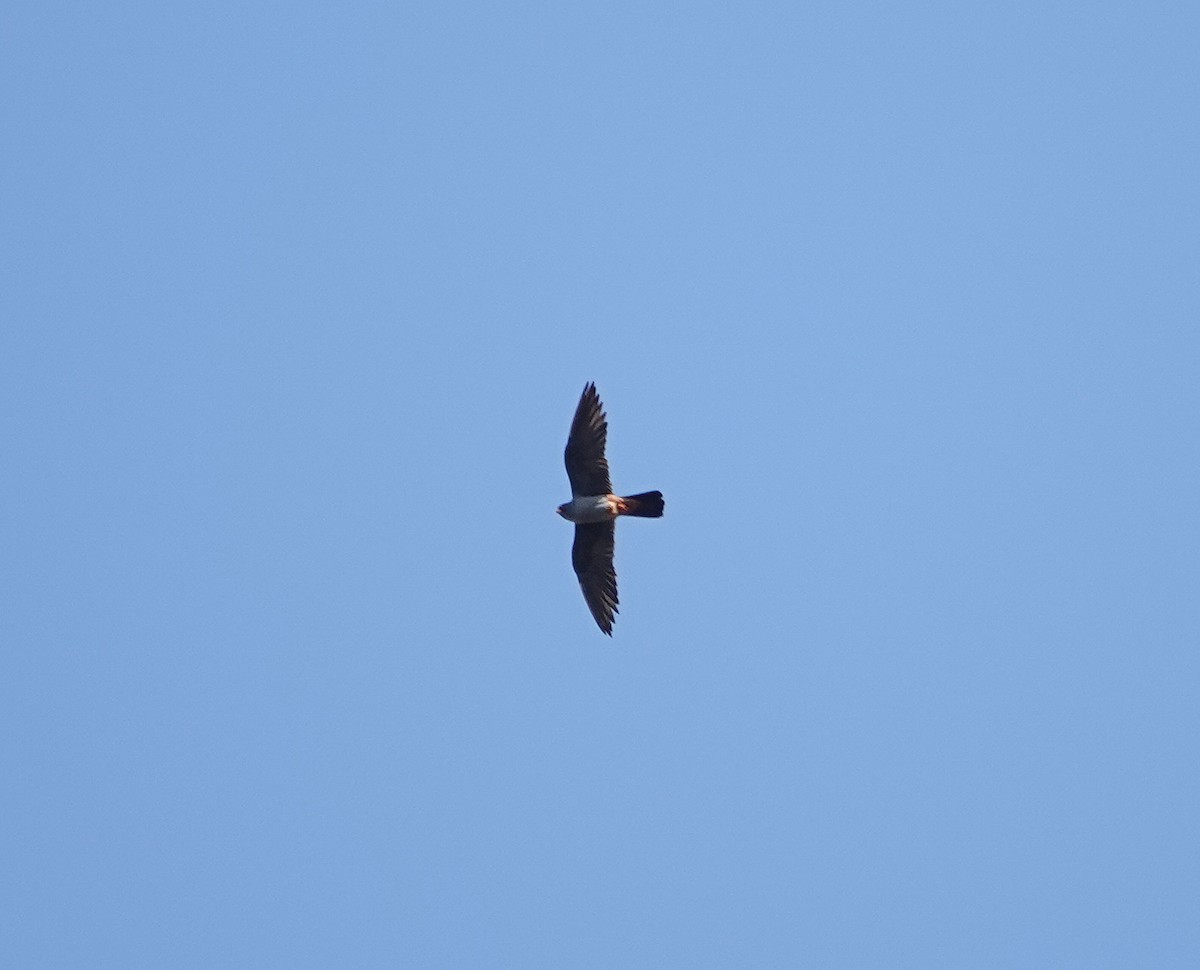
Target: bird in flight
594, 508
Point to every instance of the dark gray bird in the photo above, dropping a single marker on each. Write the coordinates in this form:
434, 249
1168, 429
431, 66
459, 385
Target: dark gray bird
594, 508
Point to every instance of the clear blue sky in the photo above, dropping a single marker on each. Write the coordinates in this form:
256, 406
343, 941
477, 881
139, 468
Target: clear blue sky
896, 303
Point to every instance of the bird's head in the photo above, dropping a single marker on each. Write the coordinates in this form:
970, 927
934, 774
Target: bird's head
562, 510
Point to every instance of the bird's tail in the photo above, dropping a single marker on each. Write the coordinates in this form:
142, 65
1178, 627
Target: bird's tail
647, 505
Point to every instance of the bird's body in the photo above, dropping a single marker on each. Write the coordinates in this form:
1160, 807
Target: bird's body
594, 508
601, 508
590, 508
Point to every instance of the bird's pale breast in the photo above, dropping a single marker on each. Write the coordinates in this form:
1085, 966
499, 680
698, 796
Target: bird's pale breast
591, 508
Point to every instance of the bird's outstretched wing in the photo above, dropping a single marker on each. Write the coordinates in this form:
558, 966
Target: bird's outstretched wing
586, 465
592, 557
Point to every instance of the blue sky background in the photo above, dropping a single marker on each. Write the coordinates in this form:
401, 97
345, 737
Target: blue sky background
896, 303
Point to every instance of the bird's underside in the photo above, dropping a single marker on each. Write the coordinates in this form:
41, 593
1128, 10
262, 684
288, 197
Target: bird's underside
594, 508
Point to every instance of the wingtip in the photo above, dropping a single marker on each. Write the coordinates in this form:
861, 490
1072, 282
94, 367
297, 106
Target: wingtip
604, 623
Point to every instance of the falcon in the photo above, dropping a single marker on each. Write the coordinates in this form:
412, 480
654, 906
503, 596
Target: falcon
594, 508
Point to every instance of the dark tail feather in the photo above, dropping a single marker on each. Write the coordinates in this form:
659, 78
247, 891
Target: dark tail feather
647, 505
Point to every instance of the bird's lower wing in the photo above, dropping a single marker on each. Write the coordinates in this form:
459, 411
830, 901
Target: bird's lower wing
592, 557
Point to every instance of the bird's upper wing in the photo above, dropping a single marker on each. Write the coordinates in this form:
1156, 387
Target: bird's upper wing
586, 465
592, 557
